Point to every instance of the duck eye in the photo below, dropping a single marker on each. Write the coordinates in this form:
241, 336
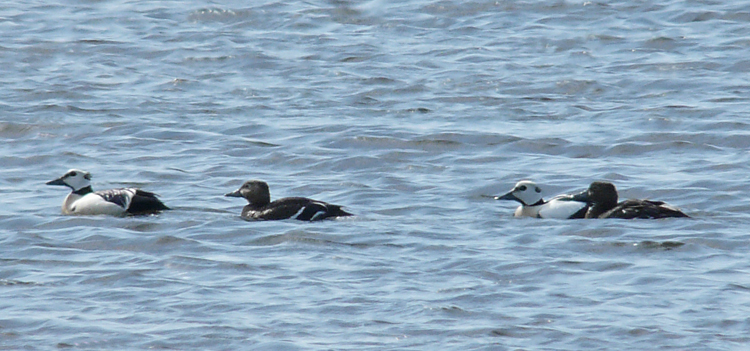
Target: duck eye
522, 188
72, 174
538, 190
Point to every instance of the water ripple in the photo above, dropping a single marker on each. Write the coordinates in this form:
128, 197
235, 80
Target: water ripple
409, 114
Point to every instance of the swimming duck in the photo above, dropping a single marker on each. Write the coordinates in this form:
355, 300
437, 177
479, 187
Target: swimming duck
118, 202
260, 207
529, 194
603, 204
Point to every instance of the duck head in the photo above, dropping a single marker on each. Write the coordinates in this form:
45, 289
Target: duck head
254, 191
526, 192
75, 179
601, 197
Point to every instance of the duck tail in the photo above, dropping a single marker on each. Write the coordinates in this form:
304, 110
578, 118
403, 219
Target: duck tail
336, 211
145, 202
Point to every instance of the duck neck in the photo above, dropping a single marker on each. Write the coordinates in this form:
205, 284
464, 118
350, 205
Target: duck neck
258, 203
538, 203
599, 208
83, 191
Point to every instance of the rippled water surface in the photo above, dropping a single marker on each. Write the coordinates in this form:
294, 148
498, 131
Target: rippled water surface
407, 113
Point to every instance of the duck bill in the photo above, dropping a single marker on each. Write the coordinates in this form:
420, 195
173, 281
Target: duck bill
582, 197
234, 194
508, 196
58, 181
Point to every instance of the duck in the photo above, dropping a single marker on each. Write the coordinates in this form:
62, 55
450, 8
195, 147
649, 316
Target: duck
83, 200
602, 198
260, 207
529, 194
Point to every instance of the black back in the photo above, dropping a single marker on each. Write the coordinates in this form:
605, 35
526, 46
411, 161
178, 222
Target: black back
643, 209
115, 196
288, 207
328, 210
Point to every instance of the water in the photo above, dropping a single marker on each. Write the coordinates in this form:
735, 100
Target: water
407, 113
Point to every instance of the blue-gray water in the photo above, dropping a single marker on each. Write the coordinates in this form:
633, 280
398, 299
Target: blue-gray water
407, 112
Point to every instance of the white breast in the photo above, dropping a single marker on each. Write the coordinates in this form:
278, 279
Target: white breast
560, 209
555, 208
91, 204
527, 211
